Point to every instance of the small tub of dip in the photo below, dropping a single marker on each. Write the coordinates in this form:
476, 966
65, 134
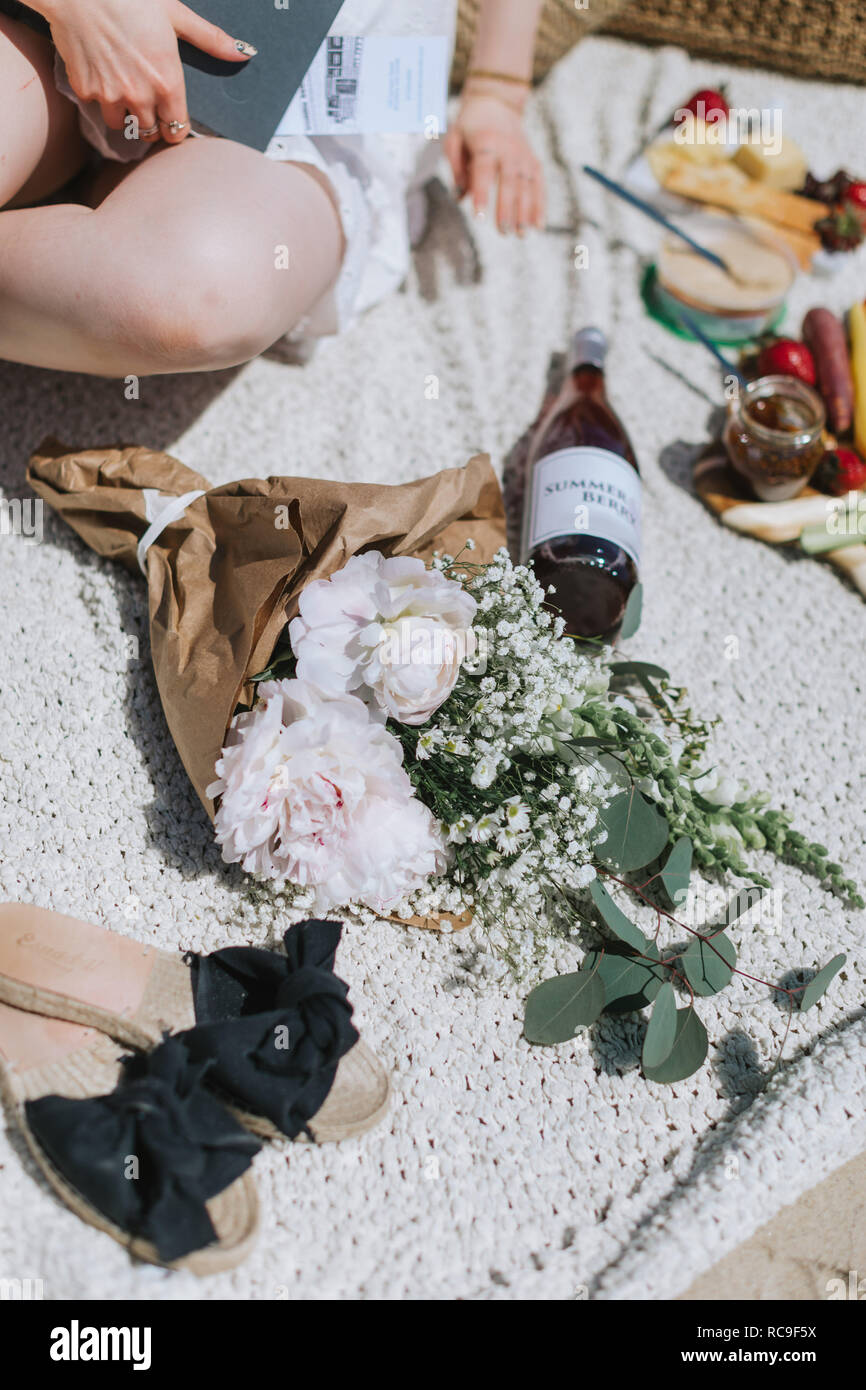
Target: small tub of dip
774, 435
729, 306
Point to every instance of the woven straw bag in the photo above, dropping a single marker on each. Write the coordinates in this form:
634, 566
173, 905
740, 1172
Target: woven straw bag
809, 38
563, 22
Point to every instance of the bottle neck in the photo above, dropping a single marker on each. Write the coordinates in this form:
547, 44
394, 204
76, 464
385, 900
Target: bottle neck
589, 347
588, 380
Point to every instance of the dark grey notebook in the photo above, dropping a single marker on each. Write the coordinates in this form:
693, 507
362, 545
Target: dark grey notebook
246, 101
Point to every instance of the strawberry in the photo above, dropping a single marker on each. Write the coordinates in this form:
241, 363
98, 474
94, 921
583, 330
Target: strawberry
855, 197
786, 357
706, 105
841, 471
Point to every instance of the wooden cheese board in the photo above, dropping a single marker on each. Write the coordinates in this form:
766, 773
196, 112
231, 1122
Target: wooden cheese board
778, 523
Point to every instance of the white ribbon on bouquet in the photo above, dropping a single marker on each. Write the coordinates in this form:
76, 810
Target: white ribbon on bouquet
162, 511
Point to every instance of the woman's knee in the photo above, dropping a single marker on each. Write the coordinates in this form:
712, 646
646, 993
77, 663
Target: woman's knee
206, 301
219, 252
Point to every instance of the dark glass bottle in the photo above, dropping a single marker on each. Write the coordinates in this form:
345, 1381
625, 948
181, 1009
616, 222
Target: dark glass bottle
581, 521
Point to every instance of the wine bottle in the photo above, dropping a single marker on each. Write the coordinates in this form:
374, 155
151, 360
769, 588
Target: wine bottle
515, 468
581, 519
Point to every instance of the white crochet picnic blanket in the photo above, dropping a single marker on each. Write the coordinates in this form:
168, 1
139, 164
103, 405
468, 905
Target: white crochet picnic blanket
504, 1171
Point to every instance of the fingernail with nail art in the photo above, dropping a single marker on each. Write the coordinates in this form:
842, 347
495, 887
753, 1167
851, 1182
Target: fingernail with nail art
246, 49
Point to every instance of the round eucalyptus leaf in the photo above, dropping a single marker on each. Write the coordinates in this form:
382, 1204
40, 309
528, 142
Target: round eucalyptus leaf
662, 1028
688, 1053
677, 872
615, 918
633, 613
558, 1007
629, 982
637, 832
709, 967
816, 988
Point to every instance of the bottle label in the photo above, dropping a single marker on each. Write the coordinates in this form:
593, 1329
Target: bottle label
585, 491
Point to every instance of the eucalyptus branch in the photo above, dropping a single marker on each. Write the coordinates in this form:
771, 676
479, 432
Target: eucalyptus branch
699, 936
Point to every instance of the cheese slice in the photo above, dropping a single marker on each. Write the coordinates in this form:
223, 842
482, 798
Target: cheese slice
784, 168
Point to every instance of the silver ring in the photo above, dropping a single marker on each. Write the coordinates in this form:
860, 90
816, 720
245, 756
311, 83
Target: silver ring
175, 126
151, 130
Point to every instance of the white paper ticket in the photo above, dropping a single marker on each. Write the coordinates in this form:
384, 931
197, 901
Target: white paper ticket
374, 85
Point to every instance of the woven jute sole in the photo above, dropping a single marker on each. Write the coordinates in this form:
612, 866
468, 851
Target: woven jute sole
357, 1101
93, 1069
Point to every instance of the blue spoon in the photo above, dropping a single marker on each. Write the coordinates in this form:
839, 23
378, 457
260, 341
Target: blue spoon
656, 216
688, 322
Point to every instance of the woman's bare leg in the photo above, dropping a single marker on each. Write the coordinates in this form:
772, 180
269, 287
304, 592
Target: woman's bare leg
201, 258
41, 147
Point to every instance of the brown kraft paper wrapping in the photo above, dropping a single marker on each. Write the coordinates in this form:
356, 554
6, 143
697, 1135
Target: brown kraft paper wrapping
225, 578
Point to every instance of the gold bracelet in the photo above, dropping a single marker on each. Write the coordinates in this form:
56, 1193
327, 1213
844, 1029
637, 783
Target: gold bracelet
498, 77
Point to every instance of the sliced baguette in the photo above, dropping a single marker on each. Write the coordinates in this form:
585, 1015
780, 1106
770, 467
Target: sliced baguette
729, 188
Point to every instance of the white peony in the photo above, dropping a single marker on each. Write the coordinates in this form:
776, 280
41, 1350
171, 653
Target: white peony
313, 792
390, 629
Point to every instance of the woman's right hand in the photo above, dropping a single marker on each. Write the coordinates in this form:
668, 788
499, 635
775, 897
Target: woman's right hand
123, 54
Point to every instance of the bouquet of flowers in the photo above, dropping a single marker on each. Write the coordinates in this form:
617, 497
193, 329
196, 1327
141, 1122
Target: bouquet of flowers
424, 742
427, 743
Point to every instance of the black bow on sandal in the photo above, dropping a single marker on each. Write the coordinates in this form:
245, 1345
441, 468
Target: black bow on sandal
275, 1028
158, 1163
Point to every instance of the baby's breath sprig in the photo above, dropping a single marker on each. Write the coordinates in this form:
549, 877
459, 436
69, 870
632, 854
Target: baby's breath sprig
537, 727
544, 782
521, 762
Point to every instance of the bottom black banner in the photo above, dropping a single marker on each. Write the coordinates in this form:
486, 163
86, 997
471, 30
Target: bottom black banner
223, 1340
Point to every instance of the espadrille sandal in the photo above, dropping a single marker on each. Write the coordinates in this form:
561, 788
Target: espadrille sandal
134, 1146
275, 1029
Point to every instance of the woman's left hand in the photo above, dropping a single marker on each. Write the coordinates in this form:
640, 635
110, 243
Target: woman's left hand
487, 144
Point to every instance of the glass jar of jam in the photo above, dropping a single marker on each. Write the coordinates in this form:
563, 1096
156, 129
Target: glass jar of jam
775, 435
